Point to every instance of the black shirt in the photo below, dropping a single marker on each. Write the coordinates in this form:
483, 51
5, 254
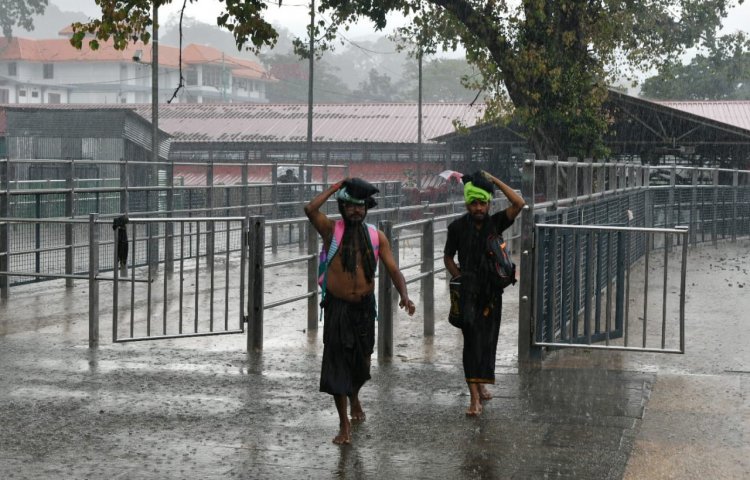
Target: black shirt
470, 243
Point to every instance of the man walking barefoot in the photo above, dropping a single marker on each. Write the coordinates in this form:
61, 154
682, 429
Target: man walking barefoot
480, 292
348, 294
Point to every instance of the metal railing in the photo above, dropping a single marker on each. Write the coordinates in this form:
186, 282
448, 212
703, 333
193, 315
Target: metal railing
136, 188
206, 250
585, 287
588, 224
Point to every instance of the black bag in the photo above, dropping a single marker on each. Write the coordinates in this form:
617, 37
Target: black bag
454, 315
502, 265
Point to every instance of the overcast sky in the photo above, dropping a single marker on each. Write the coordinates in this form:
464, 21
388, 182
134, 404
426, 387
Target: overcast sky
294, 15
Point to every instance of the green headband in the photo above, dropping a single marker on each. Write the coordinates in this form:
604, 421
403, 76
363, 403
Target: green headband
472, 193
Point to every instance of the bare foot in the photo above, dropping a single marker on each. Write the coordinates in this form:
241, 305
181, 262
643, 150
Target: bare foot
344, 437
356, 412
484, 394
474, 410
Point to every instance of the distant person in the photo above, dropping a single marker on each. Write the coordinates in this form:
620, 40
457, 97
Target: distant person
348, 294
480, 292
286, 193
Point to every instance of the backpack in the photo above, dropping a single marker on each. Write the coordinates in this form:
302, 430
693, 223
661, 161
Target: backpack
324, 257
502, 265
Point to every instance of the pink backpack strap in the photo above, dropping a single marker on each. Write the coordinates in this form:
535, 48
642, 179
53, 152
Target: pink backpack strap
374, 240
338, 233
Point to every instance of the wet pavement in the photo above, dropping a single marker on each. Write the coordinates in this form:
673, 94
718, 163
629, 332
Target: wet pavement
204, 408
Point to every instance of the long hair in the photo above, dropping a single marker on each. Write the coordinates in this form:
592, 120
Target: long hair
356, 240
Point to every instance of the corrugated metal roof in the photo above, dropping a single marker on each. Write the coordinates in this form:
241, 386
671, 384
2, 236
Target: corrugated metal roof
129, 110
735, 113
363, 123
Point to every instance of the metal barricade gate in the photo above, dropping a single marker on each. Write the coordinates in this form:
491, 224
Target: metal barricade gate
581, 246
181, 278
582, 287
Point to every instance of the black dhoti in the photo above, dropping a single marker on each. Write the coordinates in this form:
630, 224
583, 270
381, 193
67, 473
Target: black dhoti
348, 342
481, 314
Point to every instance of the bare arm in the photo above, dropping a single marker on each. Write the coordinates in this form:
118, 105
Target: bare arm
516, 201
319, 220
450, 265
386, 255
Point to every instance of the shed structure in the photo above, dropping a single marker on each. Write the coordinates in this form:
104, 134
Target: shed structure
709, 133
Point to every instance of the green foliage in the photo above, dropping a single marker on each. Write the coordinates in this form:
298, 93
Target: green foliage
548, 63
125, 21
722, 72
292, 81
376, 89
443, 80
19, 13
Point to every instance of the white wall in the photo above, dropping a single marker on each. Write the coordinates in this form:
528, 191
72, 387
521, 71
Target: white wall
108, 83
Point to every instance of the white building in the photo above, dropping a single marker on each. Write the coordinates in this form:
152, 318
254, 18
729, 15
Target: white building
52, 71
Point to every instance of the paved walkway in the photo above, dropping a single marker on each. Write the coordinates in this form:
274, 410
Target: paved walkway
203, 408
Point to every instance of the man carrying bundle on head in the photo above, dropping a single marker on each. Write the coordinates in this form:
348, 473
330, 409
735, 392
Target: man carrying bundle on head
348, 284
481, 288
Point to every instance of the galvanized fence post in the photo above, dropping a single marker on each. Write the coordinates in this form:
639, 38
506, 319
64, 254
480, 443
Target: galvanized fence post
169, 228
572, 171
4, 213
693, 204
683, 284
256, 255
274, 207
385, 305
601, 178
648, 207
245, 194
124, 182
715, 208
552, 174
70, 213
526, 304
735, 194
93, 284
312, 279
428, 269
588, 178
116, 283
669, 209
210, 227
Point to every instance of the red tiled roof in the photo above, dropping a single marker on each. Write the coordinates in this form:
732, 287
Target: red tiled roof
60, 50
735, 113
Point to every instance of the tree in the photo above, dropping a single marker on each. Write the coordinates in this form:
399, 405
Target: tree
377, 88
443, 80
720, 73
549, 63
292, 81
357, 58
19, 13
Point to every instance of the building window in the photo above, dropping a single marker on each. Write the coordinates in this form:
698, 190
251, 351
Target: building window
191, 76
49, 71
22, 93
53, 98
12, 69
4, 95
35, 94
